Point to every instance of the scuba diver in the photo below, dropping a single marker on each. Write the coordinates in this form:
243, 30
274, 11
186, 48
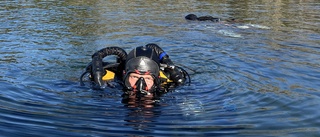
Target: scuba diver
145, 72
193, 17
201, 18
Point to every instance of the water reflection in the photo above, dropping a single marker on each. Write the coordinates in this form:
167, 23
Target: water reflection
142, 118
133, 100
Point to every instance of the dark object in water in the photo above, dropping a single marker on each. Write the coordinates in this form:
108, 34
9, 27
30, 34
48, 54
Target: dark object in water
210, 18
202, 18
191, 17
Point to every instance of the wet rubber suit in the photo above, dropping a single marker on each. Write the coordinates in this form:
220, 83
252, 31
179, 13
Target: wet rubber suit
193, 17
172, 75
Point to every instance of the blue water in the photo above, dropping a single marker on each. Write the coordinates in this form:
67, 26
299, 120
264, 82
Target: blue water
256, 77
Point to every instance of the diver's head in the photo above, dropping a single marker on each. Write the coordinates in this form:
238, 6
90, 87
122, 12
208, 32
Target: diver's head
191, 17
142, 70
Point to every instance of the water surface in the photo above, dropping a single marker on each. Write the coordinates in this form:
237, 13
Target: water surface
256, 77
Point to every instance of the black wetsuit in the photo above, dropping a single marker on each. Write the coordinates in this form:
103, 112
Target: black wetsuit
193, 17
201, 18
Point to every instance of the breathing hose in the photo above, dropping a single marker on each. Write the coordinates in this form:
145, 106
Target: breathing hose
97, 64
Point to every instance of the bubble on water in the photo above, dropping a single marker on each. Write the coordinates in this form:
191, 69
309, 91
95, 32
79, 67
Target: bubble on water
191, 107
243, 27
228, 105
229, 33
259, 26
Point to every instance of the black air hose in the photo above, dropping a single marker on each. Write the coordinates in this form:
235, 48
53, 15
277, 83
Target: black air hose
97, 64
163, 56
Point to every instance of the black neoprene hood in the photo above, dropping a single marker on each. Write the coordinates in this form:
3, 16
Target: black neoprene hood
142, 59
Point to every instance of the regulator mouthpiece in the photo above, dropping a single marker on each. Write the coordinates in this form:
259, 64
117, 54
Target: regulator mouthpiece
141, 87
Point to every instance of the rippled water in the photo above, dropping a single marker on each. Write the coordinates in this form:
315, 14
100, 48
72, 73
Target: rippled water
257, 77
